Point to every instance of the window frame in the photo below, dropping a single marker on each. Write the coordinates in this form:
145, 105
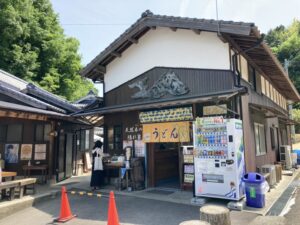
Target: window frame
260, 142
118, 146
252, 77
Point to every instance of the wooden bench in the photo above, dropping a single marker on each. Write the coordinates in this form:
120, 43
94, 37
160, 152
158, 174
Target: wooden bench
22, 185
11, 185
27, 184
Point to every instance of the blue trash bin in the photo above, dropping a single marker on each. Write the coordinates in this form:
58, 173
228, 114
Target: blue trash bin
255, 190
298, 155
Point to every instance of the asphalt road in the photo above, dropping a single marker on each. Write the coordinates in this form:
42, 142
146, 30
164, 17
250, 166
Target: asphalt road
93, 210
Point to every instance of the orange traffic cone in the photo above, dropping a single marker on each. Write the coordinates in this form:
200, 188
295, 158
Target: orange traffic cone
113, 218
65, 210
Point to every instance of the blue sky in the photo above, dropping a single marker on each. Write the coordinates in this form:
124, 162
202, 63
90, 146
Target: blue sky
96, 23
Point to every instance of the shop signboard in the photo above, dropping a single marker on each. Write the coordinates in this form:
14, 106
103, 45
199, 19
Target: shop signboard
167, 115
133, 133
166, 132
214, 110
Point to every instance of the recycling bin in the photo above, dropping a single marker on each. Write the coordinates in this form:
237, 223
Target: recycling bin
298, 155
255, 189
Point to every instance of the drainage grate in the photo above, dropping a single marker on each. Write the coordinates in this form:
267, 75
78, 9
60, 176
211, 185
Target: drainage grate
160, 192
279, 205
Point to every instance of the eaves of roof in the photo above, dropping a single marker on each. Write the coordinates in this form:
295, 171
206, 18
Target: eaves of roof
4, 89
49, 97
150, 21
240, 35
23, 108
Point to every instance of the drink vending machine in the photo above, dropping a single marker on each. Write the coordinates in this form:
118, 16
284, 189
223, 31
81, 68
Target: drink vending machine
218, 157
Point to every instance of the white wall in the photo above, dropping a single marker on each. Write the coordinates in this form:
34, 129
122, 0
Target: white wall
164, 47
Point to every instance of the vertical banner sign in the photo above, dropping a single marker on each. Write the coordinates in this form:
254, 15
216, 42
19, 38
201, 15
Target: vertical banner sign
166, 132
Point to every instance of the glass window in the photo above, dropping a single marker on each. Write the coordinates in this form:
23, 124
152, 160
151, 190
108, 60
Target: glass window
272, 135
82, 140
252, 79
110, 136
14, 132
47, 130
87, 139
39, 132
260, 139
118, 137
263, 84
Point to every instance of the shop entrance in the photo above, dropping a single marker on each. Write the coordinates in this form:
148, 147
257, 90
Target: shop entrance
164, 165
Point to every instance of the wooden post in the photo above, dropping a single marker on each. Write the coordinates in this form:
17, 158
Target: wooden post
194, 222
215, 215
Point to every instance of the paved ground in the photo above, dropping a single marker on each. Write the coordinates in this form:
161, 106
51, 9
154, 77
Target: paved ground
132, 210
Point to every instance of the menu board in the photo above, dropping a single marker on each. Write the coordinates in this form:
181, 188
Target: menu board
166, 115
188, 178
188, 164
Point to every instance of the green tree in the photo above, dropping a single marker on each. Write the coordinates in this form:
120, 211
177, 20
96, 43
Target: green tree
285, 43
33, 46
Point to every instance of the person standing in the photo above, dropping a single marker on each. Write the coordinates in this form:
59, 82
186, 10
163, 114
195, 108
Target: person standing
97, 178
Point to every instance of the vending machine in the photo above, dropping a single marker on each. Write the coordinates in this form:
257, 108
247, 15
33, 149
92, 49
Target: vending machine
218, 157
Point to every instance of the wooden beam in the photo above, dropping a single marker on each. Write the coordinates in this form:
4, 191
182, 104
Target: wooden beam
222, 38
22, 115
116, 54
100, 69
133, 40
196, 31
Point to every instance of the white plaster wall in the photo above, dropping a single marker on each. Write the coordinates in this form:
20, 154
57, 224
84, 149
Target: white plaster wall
164, 47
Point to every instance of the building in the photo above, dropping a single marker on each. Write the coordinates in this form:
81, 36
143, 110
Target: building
38, 126
170, 69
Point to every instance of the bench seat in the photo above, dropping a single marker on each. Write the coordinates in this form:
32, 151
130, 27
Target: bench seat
11, 185
26, 184
22, 185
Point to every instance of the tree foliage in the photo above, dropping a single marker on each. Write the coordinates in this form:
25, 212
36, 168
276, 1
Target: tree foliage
285, 43
33, 46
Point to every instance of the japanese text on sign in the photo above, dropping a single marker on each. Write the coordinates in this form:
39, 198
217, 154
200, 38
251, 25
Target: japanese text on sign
133, 133
166, 132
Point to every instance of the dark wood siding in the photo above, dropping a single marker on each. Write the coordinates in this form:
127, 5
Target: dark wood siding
198, 81
28, 137
261, 99
251, 115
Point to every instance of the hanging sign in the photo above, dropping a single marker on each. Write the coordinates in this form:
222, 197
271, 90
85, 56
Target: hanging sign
166, 115
166, 132
133, 133
214, 110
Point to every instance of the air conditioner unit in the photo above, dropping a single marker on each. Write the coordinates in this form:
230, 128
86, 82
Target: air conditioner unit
272, 171
285, 156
